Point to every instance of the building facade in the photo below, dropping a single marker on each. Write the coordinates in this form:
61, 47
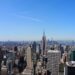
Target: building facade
29, 59
69, 68
44, 43
53, 61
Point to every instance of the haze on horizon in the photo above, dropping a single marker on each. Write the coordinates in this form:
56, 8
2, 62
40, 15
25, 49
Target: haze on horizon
26, 19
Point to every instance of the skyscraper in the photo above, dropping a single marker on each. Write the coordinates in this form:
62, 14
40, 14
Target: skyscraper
72, 55
34, 47
61, 49
1, 57
44, 44
69, 68
29, 61
53, 61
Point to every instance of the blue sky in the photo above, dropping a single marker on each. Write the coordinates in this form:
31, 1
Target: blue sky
27, 19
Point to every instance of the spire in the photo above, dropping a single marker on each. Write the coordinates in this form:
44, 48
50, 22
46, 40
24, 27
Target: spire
44, 33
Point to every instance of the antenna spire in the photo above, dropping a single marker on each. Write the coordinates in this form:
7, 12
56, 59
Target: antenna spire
44, 33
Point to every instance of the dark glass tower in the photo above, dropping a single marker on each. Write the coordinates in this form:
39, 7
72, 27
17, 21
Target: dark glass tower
34, 47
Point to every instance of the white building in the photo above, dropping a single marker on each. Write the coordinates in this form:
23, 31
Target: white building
53, 61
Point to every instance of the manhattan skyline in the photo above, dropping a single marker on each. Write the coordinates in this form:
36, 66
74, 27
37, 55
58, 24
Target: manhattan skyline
27, 19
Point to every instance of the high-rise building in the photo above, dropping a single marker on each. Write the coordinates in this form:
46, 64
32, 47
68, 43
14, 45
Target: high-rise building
44, 44
69, 68
34, 47
72, 55
15, 49
39, 48
67, 48
1, 57
61, 49
53, 57
29, 59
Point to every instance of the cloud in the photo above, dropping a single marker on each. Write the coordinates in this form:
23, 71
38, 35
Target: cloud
29, 18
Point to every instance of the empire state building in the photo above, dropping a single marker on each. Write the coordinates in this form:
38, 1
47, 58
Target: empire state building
44, 44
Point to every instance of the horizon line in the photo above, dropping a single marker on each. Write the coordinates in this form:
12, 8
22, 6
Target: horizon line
37, 40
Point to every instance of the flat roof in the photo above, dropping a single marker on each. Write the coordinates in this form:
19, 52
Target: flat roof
70, 63
53, 51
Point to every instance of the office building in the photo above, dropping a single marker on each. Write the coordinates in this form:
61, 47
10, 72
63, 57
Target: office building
69, 68
29, 61
72, 55
61, 49
53, 57
44, 44
34, 47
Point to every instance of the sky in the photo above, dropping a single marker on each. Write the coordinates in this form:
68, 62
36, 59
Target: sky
27, 19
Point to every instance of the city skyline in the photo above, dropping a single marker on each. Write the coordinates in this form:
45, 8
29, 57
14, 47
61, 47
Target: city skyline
27, 19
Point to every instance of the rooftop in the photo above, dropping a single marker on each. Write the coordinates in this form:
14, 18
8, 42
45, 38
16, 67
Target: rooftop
53, 51
71, 63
